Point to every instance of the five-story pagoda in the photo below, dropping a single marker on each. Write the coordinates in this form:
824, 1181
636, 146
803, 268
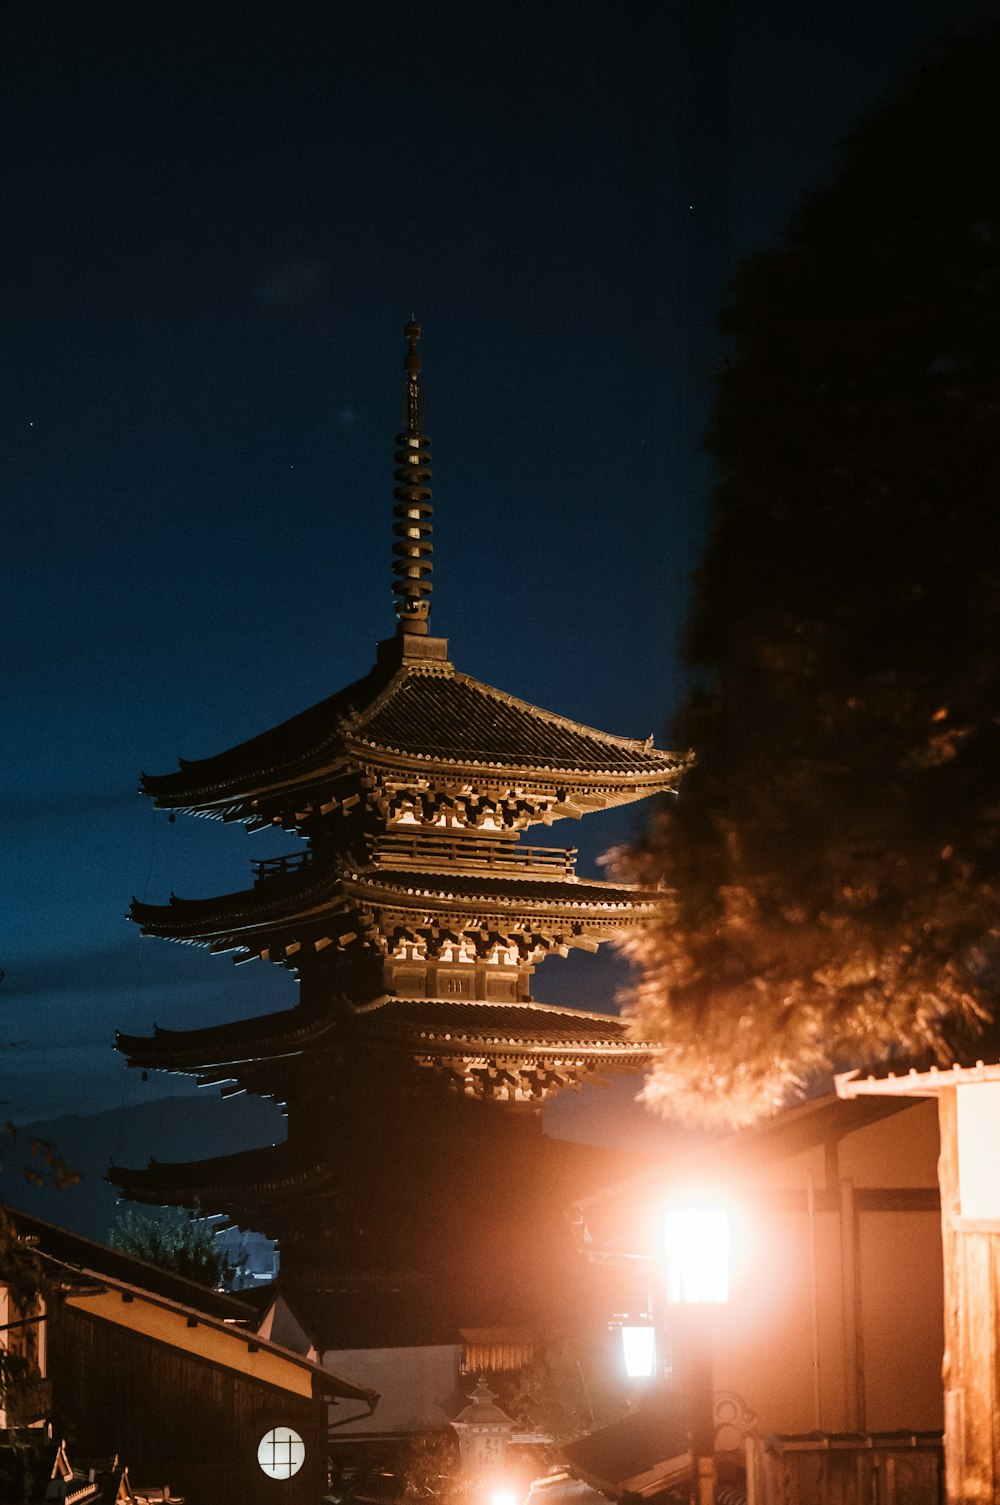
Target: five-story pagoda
414, 1065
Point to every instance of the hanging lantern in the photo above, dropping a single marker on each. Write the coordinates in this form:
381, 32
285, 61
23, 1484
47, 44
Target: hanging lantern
483, 1430
638, 1346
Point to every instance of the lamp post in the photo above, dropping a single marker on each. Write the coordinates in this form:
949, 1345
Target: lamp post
696, 1241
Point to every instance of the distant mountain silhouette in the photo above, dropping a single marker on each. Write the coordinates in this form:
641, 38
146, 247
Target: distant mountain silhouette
169, 1128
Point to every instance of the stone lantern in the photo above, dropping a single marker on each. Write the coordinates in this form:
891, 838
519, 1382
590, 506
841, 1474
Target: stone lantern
483, 1430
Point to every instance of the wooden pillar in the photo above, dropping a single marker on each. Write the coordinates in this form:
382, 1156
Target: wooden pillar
854, 1385
971, 1304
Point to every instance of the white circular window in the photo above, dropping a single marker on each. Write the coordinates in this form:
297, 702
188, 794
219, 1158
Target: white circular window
281, 1453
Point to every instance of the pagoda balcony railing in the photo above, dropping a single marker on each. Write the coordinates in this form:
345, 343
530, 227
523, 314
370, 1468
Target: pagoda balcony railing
429, 850
279, 867
425, 849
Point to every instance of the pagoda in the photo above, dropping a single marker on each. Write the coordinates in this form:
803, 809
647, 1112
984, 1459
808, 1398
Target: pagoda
415, 1063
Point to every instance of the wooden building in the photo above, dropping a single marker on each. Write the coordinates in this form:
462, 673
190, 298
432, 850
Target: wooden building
966, 1102
828, 1352
415, 1180
173, 1379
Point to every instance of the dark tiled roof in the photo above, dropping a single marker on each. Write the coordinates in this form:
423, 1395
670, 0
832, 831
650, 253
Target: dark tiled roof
246, 1178
265, 908
525, 895
306, 900
310, 740
439, 714
74, 1249
426, 714
285, 1032
642, 1443
418, 1023
501, 1024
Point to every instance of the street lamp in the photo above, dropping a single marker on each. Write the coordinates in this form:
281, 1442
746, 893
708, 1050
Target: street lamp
696, 1241
638, 1341
697, 1245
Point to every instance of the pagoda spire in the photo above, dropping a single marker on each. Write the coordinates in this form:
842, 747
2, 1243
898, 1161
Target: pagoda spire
412, 513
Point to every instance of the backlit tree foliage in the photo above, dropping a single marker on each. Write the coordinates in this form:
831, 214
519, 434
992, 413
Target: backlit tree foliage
835, 854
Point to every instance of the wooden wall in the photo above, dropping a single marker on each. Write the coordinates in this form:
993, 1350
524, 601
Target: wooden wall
972, 1334
176, 1419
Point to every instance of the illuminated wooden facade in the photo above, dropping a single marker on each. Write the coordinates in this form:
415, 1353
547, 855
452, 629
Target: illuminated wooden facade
413, 916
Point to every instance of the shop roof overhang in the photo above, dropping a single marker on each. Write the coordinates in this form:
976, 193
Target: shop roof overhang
613, 1223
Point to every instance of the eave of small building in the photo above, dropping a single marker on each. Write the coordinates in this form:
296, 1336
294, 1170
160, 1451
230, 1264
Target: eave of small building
607, 1219
914, 1083
199, 1334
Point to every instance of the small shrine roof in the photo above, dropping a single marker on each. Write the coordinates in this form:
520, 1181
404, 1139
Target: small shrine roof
420, 716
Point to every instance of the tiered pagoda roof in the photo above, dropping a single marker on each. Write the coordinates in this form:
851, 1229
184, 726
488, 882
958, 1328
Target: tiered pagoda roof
414, 723
509, 1052
413, 915
315, 907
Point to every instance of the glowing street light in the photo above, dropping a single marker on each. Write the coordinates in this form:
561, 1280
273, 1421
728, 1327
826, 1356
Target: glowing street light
697, 1244
638, 1340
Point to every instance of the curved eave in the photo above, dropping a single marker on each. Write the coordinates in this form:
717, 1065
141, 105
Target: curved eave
552, 1050
252, 1049
245, 920
244, 1179
276, 756
557, 785
418, 703
269, 1037
660, 774
525, 1027
294, 933
529, 902
281, 767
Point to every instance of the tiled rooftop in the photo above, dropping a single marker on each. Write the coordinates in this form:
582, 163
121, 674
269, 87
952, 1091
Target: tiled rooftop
426, 1022
428, 713
306, 899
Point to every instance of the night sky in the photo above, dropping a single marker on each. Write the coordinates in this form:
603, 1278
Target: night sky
216, 222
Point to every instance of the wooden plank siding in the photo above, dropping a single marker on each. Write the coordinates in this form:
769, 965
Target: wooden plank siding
175, 1418
972, 1334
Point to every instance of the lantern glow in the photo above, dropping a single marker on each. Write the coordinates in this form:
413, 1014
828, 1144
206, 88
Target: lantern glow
697, 1246
639, 1351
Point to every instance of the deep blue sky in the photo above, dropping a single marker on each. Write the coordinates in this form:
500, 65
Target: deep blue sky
217, 220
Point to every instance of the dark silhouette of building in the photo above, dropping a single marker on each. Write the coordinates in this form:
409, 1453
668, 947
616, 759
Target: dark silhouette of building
416, 1191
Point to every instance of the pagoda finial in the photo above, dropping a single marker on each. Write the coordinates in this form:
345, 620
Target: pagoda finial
412, 526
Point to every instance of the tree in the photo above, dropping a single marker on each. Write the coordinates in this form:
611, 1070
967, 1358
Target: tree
22, 1277
175, 1241
835, 855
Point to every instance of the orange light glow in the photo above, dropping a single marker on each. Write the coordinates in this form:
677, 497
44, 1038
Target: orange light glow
697, 1245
